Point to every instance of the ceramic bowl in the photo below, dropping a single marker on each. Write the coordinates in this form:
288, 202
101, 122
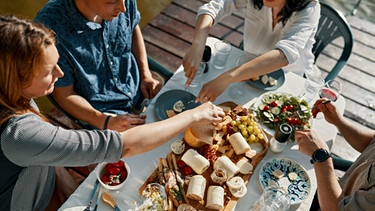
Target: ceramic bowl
102, 170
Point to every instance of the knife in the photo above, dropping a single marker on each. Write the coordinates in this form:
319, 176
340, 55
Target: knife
92, 195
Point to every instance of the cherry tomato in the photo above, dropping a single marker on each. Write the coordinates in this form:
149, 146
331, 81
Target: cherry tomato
266, 108
290, 107
187, 170
181, 164
275, 120
292, 121
273, 104
284, 109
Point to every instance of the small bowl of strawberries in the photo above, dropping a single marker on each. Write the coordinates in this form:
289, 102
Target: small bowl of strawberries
112, 176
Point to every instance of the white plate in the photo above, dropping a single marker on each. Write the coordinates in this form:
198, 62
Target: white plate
78, 208
298, 189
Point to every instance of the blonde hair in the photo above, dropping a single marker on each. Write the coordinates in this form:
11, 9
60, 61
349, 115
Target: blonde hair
22, 46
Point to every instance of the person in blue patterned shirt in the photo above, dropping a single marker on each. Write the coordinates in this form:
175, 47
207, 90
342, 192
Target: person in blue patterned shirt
103, 56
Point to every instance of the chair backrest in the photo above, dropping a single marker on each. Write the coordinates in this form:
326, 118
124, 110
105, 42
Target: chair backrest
333, 24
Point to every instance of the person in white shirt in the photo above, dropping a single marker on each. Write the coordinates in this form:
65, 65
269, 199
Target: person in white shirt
279, 32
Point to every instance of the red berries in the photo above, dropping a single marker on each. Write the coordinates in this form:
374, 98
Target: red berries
115, 173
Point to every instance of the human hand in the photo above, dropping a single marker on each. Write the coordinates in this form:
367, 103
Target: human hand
328, 109
124, 122
150, 87
308, 141
207, 113
191, 63
212, 89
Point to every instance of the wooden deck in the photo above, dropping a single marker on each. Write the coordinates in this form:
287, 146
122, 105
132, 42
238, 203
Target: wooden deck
169, 35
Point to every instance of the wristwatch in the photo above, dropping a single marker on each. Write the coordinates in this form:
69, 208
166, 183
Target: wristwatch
320, 155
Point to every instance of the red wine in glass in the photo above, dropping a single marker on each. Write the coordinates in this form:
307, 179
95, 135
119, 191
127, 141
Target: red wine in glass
329, 94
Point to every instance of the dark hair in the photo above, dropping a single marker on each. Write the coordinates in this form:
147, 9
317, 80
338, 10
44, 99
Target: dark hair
290, 7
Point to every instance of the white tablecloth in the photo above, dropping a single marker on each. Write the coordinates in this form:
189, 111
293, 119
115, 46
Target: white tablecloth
141, 166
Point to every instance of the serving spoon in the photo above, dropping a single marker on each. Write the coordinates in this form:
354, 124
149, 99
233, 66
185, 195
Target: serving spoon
107, 198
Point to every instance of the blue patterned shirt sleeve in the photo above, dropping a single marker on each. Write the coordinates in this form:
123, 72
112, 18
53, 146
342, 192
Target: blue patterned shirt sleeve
96, 58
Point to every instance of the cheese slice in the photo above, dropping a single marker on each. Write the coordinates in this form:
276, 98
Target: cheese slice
196, 188
278, 173
244, 166
264, 79
196, 161
215, 198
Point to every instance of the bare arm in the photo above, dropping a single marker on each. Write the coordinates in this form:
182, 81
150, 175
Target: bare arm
358, 138
81, 109
149, 86
149, 136
329, 189
193, 57
78, 107
263, 64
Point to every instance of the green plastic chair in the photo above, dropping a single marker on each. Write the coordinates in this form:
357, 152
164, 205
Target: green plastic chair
332, 25
157, 67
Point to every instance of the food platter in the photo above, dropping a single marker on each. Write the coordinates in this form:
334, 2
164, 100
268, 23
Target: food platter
167, 99
298, 187
219, 149
277, 75
275, 108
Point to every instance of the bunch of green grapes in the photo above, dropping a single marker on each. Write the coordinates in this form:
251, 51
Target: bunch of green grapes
248, 127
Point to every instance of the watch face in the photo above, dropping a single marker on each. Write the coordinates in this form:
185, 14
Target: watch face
321, 155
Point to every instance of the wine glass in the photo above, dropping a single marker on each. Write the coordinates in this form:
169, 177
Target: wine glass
331, 90
235, 90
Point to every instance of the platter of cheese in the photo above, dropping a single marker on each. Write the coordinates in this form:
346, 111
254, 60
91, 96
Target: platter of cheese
213, 175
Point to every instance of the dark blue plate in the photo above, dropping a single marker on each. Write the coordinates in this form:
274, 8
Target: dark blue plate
277, 75
167, 99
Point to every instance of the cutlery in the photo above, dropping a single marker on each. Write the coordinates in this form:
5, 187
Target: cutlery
92, 196
107, 198
143, 105
325, 102
97, 200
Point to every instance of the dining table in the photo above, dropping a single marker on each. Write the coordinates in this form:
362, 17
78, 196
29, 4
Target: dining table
143, 165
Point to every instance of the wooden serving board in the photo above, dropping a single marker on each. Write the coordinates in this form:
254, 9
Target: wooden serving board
230, 201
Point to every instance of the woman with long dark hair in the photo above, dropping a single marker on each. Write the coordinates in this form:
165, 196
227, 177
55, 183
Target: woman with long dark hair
279, 33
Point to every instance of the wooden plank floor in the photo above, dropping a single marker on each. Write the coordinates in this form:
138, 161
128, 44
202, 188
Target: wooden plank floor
169, 35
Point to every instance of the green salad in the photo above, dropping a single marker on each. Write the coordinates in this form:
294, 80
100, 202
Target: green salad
278, 108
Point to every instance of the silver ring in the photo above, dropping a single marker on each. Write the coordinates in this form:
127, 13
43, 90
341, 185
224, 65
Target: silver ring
205, 98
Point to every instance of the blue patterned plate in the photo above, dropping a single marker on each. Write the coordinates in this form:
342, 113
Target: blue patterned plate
298, 189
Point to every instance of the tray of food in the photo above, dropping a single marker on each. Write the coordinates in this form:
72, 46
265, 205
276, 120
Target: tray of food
210, 168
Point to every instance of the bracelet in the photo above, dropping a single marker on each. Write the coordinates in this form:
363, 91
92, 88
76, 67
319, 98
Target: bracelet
106, 122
